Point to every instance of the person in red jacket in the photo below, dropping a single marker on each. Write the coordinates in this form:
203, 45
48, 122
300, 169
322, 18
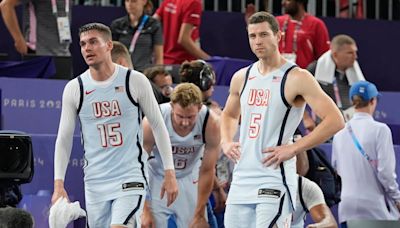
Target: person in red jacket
304, 37
181, 21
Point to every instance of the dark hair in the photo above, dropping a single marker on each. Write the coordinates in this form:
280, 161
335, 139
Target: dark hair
263, 16
197, 72
153, 71
15, 218
103, 29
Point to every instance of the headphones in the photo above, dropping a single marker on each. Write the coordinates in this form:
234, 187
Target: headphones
206, 79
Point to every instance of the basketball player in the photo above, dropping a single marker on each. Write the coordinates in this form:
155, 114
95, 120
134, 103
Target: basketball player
108, 99
195, 138
270, 96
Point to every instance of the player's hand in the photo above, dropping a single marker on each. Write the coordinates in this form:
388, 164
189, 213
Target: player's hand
59, 191
199, 222
170, 186
146, 219
278, 154
21, 47
231, 150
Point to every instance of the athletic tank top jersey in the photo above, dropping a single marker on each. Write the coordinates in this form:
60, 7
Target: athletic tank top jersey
267, 121
187, 150
111, 126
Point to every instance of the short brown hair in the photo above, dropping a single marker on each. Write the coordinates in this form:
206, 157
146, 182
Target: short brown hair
358, 102
263, 16
186, 94
120, 51
152, 72
103, 29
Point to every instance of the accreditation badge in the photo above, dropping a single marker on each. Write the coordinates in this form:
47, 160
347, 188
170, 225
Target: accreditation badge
64, 29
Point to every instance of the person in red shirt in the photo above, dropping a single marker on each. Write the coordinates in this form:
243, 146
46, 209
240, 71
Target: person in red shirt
304, 37
181, 21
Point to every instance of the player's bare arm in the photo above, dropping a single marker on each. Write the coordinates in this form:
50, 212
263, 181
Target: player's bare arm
207, 169
302, 87
230, 117
322, 216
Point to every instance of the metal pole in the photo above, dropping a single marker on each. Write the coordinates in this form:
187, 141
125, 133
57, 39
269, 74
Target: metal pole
312, 7
377, 9
324, 7
215, 5
257, 5
271, 6
365, 9
229, 5
243, 3
337, 8
350, 10
390, 10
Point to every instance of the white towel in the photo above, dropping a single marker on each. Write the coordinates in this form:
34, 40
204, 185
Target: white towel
325, 70
62, 213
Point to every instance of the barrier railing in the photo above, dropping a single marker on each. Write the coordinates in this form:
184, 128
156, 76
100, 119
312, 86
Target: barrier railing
372, 9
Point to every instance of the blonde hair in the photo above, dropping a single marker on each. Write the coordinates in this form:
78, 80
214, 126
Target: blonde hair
186, 94
120, 51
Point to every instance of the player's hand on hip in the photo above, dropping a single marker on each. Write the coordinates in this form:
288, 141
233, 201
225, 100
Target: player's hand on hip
231, 150
278, 154
199, 222
170, 186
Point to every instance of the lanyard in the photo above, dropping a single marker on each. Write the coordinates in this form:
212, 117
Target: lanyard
137, 33
54, 6
359, 147
337, 94
32, 27
296, 30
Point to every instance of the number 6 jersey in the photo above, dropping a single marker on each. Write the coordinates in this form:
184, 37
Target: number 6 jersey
186, 150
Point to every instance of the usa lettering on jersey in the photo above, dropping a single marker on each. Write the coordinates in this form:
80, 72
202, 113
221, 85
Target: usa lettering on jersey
110, 134
106, 109
258, 97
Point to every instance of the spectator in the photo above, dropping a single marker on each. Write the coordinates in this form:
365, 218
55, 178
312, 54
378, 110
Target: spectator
336, 70
364, 156
15, 218
140, 33
41, 36
181, 22
120, 55
304, 37
161, 78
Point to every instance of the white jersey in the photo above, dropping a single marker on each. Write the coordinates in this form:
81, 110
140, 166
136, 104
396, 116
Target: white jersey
267, 120
112, 135
187, 150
